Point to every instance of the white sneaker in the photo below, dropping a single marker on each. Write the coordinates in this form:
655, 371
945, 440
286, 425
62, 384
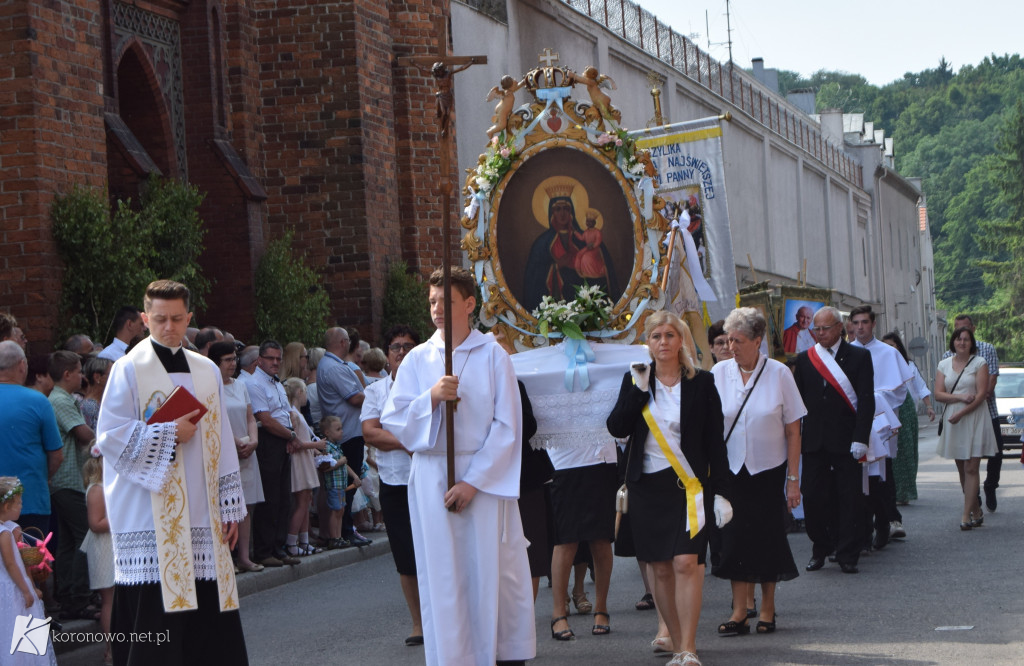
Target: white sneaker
896, 530
684, 659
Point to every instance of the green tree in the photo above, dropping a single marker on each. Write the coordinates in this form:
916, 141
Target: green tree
291, 304
110, 257
405, 301
169, 213
104, 259
1003, 239
959, 277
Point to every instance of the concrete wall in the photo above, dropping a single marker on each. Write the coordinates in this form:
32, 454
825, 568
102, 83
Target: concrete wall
787, 201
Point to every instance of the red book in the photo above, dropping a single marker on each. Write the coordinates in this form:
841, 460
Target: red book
179, 403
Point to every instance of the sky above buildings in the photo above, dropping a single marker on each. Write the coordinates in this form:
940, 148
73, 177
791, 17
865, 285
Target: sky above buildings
878, 39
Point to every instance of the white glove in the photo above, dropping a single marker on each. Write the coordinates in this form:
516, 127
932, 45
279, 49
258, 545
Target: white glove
858, 450
641, 375
723, 511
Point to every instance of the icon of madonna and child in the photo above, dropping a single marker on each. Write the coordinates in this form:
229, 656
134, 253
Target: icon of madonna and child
571, 251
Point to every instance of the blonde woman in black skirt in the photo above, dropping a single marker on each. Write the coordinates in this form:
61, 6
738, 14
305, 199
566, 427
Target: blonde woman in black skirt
677, 473
762, 408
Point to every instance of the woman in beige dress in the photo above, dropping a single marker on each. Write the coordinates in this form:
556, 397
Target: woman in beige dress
961, 383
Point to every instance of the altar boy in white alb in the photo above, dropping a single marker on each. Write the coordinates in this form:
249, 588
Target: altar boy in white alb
892, 380
476, 594
174, 498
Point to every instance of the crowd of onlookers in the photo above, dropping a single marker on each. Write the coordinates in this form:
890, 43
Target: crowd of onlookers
302, 497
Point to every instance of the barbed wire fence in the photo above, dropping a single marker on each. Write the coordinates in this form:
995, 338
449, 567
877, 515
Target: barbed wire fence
643, 29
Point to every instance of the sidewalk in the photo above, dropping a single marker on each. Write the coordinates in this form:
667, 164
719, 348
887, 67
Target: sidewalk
252, 582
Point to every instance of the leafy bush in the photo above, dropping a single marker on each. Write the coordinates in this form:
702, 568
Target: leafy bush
109, 258
291, 303
170, 215
405, 301
104, 260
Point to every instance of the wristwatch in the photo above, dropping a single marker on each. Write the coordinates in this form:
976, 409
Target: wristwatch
790, 477
294, 436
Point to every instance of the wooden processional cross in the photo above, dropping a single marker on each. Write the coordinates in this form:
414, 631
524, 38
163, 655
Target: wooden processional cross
443, 67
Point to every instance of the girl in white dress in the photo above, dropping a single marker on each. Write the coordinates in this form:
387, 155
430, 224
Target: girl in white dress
98, 544
304, 476
18, 595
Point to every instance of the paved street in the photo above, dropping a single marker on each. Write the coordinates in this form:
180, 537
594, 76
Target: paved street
890, 613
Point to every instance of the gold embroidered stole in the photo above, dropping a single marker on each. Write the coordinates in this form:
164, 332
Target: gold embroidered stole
691, 484
170, 508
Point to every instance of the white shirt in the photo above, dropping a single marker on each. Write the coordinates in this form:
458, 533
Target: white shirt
393, 466
892, 374
268, 395
804, 340
918, 388
759, 438
115, 350
665, 409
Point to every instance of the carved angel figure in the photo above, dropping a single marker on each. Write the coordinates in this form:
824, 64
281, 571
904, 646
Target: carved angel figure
506, 95
644, 157
593, 81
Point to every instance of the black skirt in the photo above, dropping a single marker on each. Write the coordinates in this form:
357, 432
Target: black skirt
535, 511
657, 515
754, 546
583, 503
394, 504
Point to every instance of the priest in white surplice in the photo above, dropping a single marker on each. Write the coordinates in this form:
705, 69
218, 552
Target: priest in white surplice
892, 379
174, 498
476, 594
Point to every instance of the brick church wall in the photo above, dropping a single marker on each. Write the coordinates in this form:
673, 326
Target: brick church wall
418, 149
344, 167
51, 136
343, 140
233, 222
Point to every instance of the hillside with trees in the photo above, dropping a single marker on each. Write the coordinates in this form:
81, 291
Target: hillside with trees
963, 134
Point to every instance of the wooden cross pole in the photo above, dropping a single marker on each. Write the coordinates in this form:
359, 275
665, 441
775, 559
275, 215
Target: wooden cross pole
443, 67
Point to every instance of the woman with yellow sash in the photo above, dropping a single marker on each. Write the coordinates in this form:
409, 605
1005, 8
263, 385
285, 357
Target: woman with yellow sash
677, 473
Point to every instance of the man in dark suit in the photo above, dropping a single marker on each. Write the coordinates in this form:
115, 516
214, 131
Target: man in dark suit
835, 436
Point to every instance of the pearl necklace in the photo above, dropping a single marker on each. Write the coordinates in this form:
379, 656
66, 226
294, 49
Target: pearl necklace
746, 372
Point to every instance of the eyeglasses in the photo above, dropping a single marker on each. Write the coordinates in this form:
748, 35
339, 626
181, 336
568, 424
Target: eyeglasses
822, 329
272, 359
228, 359
406, 347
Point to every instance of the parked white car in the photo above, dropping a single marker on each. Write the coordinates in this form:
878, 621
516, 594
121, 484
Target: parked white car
1009, 397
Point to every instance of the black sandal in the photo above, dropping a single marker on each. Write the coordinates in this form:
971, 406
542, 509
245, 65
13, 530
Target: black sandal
766, 627
646, 602
601, 629
564, 634
734, 628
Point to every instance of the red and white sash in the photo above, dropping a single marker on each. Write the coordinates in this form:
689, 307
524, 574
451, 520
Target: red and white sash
826, 364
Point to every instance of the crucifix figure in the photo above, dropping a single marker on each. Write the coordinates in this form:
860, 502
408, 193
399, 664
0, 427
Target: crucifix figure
443, 67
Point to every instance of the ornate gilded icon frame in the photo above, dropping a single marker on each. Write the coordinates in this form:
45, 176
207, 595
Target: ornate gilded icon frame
556, 146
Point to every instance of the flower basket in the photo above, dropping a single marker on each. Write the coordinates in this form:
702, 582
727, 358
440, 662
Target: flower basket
36, 557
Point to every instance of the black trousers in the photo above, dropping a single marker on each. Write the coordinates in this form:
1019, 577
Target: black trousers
353, 450
71, 567
995, 463
833, 504
270, 518
880, 506
146, 635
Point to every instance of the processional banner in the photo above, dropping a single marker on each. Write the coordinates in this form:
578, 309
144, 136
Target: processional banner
691, 180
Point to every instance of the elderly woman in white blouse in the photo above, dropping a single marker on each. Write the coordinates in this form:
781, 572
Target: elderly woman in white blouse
762, 409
